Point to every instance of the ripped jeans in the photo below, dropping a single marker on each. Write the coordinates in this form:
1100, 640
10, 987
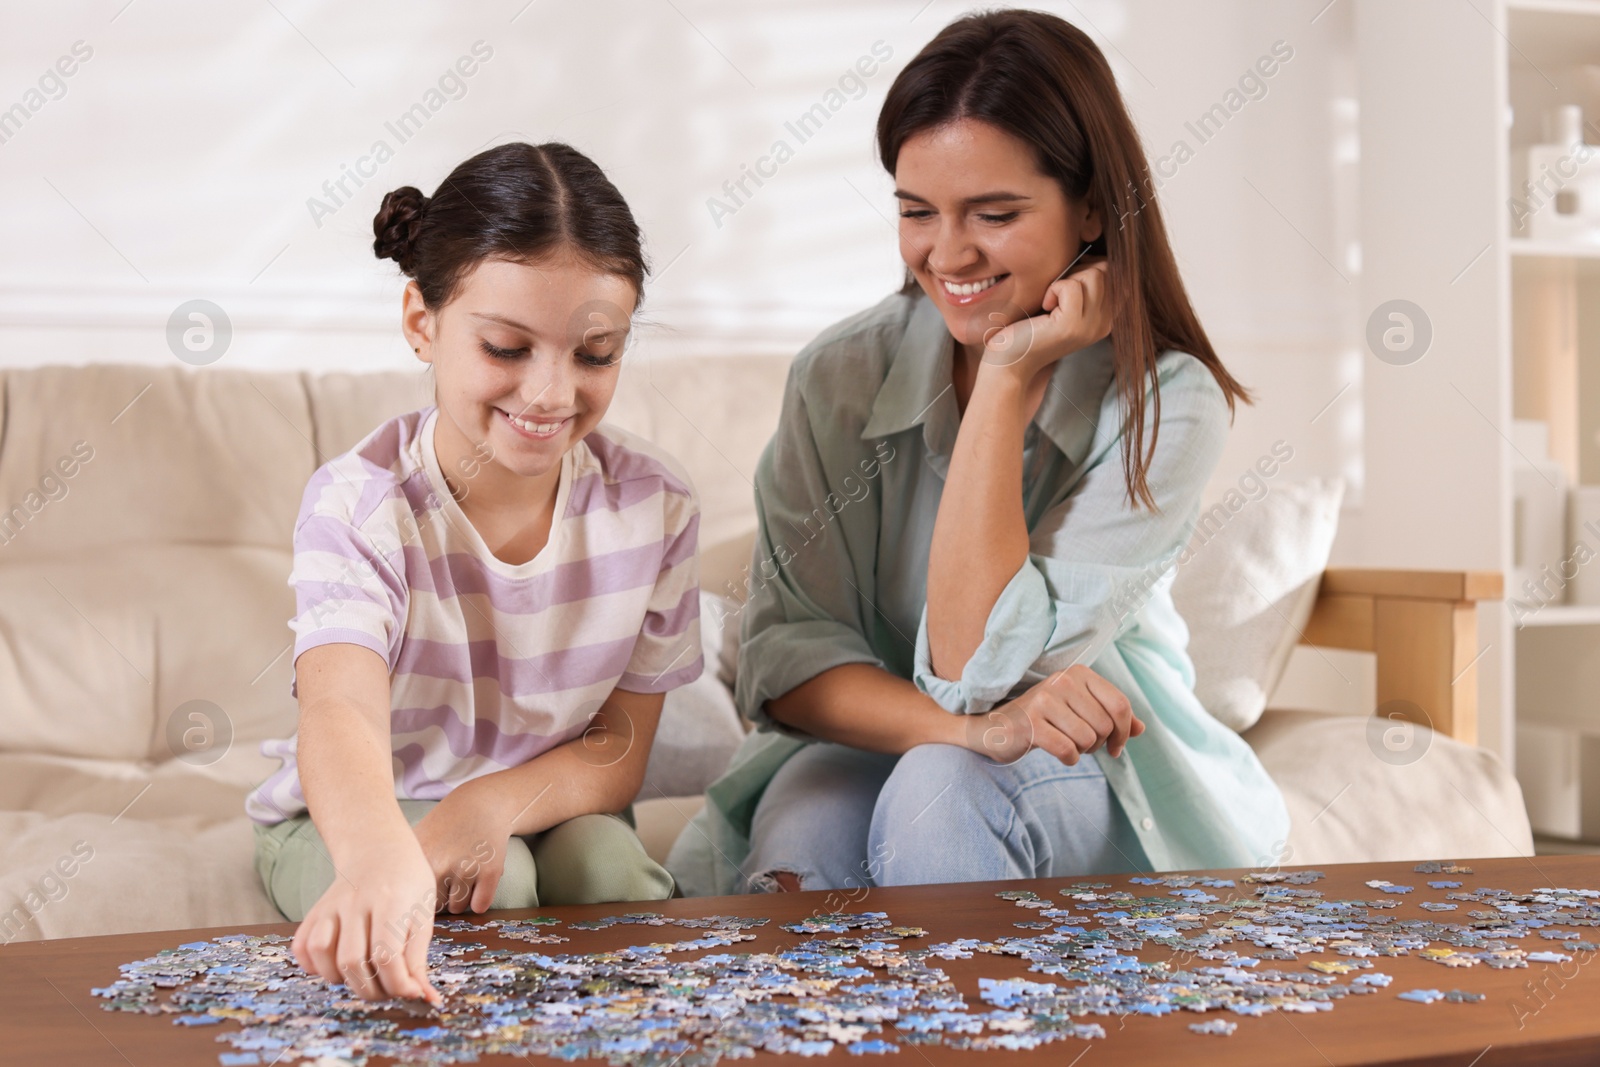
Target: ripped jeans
842, 818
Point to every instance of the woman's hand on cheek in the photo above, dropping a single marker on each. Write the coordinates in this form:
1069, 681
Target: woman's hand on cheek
1077, 313
464, 839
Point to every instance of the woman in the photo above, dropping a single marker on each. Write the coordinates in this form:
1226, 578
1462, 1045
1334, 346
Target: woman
972, 505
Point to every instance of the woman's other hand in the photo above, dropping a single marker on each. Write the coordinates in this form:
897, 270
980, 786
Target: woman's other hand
1070, 714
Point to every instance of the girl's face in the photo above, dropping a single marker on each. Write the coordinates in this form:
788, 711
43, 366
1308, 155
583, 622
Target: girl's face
525, 357
983, 231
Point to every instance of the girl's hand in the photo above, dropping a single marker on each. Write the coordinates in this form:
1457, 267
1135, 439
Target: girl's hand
464, 840
1069, 714
1077, 313
371, 928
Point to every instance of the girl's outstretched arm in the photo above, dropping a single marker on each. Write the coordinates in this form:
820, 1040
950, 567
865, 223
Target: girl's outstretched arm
371, 928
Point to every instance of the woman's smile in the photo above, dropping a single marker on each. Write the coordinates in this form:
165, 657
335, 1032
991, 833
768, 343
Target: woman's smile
965, 292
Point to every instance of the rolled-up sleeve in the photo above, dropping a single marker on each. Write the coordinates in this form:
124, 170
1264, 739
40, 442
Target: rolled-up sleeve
1093, 559
804, 614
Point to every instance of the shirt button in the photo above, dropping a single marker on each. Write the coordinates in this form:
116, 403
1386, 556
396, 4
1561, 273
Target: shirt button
1147, 822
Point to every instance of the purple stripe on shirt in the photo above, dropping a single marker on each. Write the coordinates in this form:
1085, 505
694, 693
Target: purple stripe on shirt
420, 494
461, 574
624, 464
547, 672
683, 545
675, 620
312, 593
416, 783
482, 738
387, 441
320, 480
324, 533
377, 485
593, 492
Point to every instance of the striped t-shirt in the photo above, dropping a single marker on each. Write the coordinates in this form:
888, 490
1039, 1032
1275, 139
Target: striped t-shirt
491, 664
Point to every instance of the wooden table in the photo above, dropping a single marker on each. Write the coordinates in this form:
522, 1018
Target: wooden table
1544, 1014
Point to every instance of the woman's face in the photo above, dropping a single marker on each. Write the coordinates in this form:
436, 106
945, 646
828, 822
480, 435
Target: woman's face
525, 357
983, 231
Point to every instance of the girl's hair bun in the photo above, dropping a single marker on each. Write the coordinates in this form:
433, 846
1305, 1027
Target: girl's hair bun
396, 225
515, 201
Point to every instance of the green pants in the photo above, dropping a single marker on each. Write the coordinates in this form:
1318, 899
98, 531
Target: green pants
592, 859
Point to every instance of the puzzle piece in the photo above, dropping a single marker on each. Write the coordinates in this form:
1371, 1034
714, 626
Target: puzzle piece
1215, 1026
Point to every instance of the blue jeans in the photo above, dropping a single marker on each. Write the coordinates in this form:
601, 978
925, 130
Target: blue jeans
842, 818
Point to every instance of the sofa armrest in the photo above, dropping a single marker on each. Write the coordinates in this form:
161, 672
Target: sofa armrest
1423, 627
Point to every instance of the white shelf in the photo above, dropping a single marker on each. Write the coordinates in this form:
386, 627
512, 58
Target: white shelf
1565, 615
1552, 34
1556, 7
1522, 246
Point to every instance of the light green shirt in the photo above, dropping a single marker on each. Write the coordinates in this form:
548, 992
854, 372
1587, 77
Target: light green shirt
846, 495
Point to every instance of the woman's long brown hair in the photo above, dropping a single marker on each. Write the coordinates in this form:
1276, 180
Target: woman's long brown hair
1041, 79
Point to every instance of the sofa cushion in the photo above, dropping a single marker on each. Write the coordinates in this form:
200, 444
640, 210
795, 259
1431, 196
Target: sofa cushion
168, 455
714, 415
58, 786
1246, 585
102, 656
346, 406
85, 874
1352, 798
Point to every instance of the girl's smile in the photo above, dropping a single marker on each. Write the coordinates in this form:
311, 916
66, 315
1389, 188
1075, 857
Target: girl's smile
535, 428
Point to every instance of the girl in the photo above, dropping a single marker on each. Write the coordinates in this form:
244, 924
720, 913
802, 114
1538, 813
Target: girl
1012, 522
495, 592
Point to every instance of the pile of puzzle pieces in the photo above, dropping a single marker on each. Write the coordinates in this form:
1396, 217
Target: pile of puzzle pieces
852, 984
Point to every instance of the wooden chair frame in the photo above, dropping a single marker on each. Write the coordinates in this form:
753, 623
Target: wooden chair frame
1423, 627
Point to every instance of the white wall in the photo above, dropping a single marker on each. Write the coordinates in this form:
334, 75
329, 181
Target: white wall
181, 157
180, 161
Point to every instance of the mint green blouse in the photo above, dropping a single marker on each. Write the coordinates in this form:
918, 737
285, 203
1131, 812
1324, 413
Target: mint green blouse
846, 494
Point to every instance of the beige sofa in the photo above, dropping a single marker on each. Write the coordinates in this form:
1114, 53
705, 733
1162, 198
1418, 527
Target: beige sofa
144, 647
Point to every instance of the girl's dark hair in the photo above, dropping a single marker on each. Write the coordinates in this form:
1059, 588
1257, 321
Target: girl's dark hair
515, 201
1041, 79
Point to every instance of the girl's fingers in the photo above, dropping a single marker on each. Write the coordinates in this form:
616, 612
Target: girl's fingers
322, 940
483, 890
459, 894
419, 931
394, 973
354, 957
